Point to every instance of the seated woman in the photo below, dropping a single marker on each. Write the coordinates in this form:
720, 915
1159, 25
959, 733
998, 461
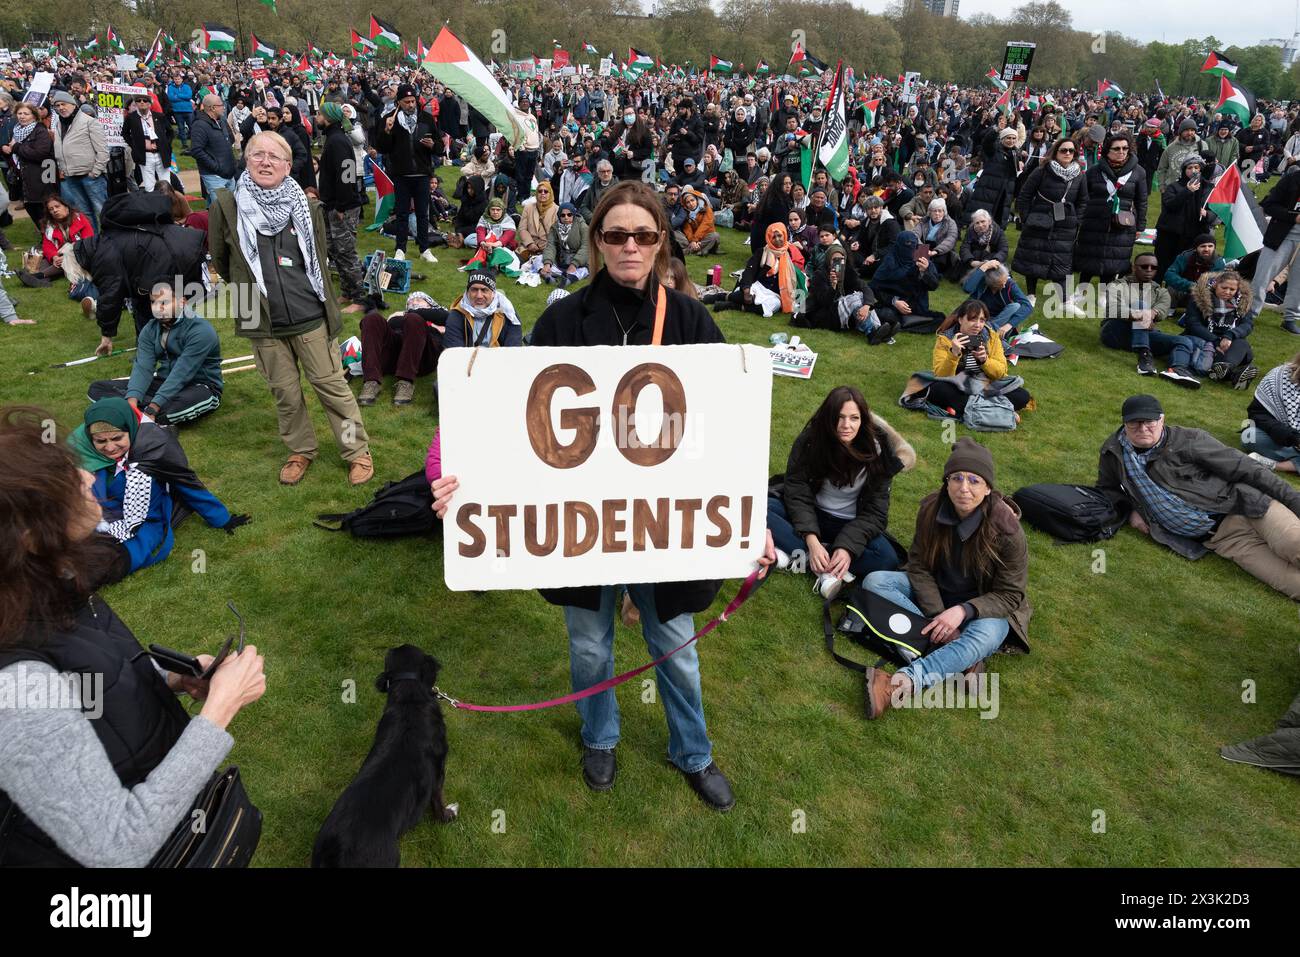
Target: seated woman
984, 240
768, 284
406, 345
63, 225
495, 228
138, 467
1218, 313
80, 788
803, 237
1272, 436
839, 300
833, 503
940, 233
968, 360
564, 260
473, 204
991, 284
535, 221
967, 569
903, 283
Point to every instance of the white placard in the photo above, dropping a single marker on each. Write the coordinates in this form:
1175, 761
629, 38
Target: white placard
6, 56
113, 100
577, 467
910, 83
39, 89
126, 62
606, 65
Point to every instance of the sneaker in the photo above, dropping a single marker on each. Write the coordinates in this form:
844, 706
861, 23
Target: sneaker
828, 586
404, 392
428, 256
1245, 376
1291, 326
1263, 460
1180, 376
399, 254
1219, 371
1145, 365
1033, 301
369, 392
782, 560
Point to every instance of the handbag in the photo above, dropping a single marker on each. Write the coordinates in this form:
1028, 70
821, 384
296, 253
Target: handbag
221, 830
1124, 219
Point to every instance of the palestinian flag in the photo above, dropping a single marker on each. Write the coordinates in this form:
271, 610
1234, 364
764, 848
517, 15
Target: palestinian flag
809, 65
331, 61
502, 260
361, 46
454, 64
183, 60
719, 66
1003, 102
590, 48
636, 60
833, 144
155, 54
383, 198
994, 77
1112, 90
869, 108
314, 52
1031, 102
762, 69
91, 45
384, 34
169, 41
421, 51
304, 66
114, 41
261, 50
409, 56
1243, 220
218, 39
1216, 64
1235, 100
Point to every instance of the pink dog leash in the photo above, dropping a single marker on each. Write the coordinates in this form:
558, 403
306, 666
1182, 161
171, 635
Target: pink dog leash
751, 585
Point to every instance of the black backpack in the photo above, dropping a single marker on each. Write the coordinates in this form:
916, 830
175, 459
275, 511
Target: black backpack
399, 508
1070, 513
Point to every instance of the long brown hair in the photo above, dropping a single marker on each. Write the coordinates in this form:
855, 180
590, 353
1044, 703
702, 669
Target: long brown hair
934, 540
634, 193
830, 459
45, 573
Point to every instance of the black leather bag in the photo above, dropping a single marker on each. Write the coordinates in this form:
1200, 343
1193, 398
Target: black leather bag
221, 830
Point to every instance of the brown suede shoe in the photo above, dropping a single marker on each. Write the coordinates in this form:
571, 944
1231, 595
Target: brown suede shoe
294, 468
631, 614
361, 470
880, 686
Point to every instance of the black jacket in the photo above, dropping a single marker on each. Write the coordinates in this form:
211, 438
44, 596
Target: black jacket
1103, 249
338, 172
1283, 204
210, 146
823, 300
997, 183
681, 145
586, 318
141, 721
33, 153
1049, 253
971, 249
407, 156
133, 133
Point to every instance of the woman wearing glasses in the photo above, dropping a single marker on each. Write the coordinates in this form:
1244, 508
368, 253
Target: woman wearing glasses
1116, 211
105, 780
967, 570
629, 252
1049, 203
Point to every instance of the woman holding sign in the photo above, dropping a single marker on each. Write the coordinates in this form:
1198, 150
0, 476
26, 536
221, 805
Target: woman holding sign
626, 304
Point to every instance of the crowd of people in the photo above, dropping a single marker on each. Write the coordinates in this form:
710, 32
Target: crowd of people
614, 186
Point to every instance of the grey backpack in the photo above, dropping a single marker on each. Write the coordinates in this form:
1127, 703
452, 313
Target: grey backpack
989, 414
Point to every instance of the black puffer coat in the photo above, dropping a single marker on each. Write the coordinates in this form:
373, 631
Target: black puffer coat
995, 188
1103, 249
1049, 253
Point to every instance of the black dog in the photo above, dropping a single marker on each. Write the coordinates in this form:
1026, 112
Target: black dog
402, 775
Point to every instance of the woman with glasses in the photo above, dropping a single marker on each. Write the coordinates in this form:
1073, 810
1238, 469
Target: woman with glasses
967, 570
1049, 203
629, 231
1115, 212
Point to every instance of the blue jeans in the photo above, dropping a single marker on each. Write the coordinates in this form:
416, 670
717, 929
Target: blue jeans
1013, 313
183, 125
1266, 447
879, 555
978, 638
591, 661
1120, 334
212, 182
87, 193
80, 290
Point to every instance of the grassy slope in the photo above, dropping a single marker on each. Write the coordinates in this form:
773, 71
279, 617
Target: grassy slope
1134, 682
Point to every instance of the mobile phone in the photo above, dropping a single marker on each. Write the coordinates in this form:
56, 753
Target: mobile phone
176, 662
922, 251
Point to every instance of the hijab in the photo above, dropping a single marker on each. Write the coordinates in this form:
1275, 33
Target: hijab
778, 264
549, 191
114, 413
897, 263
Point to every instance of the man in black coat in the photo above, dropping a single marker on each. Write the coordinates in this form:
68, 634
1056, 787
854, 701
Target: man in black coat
341, 200
148, 137
1281, 240
211, 147
685, 135
412, 146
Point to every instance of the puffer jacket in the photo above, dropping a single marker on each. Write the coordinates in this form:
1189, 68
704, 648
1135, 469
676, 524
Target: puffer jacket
1049, 253
1103, 249
81, 150
1201, 321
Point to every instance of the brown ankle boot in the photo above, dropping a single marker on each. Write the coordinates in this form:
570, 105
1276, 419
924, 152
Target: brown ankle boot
880, 687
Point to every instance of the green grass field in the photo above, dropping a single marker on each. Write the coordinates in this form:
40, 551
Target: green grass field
1135, 680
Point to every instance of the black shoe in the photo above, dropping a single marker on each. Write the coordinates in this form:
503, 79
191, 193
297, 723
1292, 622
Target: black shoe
1181, 376
35, 280
598, 768
1244, 375
1219, 371
713, 787
1291, 326
723, 305
1145, 365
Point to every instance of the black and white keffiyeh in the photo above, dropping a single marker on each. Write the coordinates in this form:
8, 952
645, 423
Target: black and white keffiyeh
408, 120
1279, 394
136, 497
268, 211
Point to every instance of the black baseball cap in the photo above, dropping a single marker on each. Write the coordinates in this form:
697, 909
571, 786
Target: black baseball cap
1142, 408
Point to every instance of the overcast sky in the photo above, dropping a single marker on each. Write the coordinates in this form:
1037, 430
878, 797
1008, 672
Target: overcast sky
1250, 22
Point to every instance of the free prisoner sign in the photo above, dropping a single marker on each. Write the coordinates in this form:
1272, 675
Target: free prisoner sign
604, 465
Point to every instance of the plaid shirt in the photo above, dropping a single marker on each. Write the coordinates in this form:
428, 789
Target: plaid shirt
1167, 508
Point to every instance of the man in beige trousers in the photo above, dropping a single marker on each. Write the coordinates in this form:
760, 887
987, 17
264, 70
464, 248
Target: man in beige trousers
268, 240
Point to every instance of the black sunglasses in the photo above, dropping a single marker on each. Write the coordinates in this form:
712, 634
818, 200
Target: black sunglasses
619, 237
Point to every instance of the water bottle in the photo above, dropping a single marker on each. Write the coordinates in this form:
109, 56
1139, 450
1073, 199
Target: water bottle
778, 339
715, 275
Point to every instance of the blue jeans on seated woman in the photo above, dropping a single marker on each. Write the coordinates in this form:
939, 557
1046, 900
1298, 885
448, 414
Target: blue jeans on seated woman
976, 640
1266, 447
879, 555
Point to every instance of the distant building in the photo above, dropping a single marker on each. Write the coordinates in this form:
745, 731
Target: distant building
942, 8
1290, 49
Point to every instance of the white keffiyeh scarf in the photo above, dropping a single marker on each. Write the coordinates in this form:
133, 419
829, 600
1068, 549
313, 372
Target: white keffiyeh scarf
1278, 393
408, 121
267, 212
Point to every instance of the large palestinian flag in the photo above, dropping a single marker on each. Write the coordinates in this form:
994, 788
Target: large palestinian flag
502, 260
384, 34
1112, 90
115, 42
638, 61
1235, 100
1243, 220
1216, 64
456, 66
218, 39
833, 145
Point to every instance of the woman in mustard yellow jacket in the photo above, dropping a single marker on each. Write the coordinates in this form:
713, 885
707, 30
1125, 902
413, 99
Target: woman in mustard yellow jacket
965, 344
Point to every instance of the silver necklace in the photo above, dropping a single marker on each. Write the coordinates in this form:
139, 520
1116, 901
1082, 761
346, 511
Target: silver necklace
627, 331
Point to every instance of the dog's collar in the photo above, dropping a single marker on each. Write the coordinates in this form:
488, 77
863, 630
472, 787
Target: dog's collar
391, 679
